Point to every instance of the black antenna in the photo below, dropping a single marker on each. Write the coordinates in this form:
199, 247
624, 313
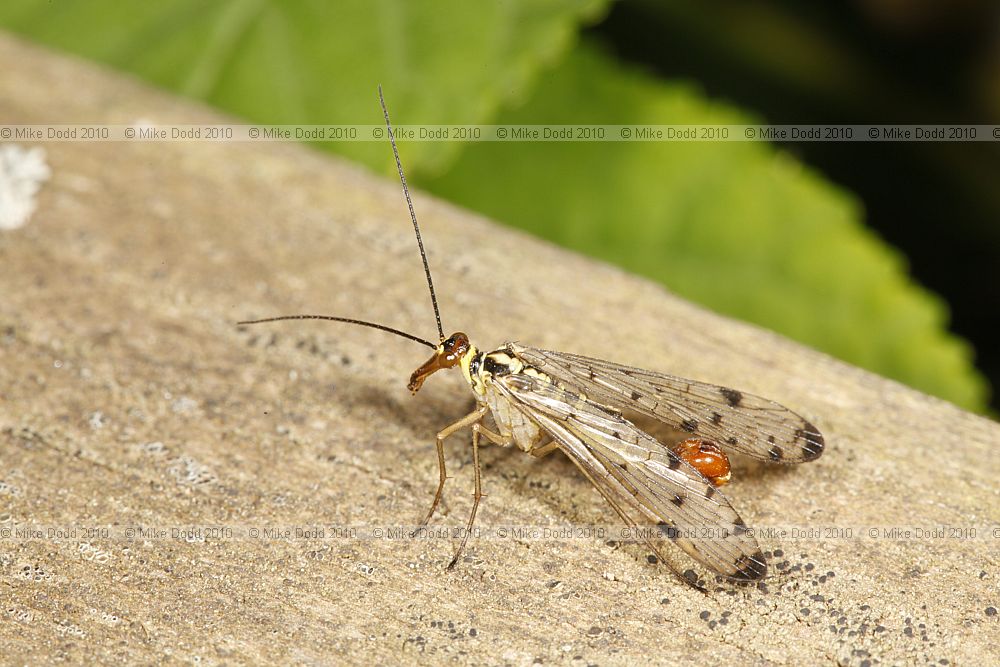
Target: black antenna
373, 325
413, 215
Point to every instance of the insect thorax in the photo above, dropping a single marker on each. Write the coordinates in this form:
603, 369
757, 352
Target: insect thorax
480, 368
482, 371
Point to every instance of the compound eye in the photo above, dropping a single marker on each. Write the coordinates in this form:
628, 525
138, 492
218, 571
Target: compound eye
455, 347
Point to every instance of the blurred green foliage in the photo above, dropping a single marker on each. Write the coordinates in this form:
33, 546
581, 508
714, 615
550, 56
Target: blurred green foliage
739, 226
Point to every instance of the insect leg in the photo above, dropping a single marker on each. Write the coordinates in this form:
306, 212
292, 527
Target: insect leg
495, 438
544, 450
477, 430
470, 418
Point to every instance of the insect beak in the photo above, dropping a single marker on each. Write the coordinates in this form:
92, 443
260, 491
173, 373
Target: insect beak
448, 354
425, 371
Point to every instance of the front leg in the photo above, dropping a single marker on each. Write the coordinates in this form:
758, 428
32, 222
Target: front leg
472, 418
497, 439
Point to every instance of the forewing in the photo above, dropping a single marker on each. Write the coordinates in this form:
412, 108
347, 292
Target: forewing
643, 480
733, 419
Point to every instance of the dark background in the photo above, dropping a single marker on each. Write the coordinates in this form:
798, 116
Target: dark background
879, 61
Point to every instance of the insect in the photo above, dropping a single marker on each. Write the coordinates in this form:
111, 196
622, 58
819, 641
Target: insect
541, 401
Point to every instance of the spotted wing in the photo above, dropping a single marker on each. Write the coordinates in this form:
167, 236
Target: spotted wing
642, 479
737, 421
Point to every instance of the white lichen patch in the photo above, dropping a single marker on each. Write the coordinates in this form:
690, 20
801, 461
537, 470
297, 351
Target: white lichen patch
184, 405
189, 472
22, 172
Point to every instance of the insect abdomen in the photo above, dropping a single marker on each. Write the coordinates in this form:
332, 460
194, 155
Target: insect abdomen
512, 422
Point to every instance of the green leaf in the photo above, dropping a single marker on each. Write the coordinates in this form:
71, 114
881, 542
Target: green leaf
440, 61
739, 226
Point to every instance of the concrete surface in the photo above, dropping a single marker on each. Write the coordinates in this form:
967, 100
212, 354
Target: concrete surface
128, 398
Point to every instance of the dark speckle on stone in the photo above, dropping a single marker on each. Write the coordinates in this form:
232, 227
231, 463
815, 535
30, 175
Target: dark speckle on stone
991, 611
594, 631
473, 632
651, 559
704, 615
